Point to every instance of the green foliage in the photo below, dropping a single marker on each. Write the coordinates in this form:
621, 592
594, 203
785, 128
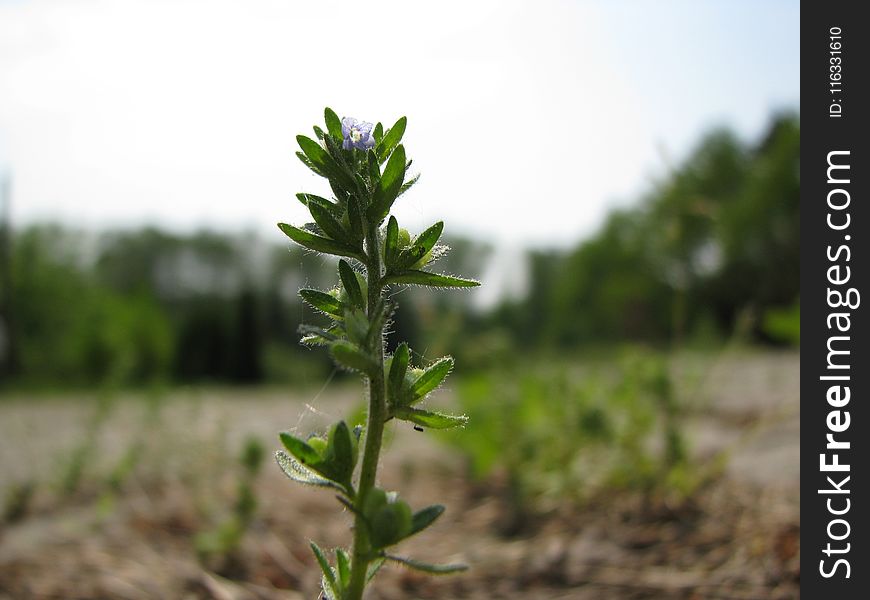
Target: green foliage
432, 420
784, 324
715, 238
406, 387
562, 434
430, 378
218, 546
145, 307
718, 235
351, 285
333, 123
318, 243
414, 277
351, 226
388, 518
391, 139
69, 327
422, 245
333, 457
297, 472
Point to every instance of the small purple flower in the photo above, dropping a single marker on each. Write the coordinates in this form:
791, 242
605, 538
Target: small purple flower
356, 135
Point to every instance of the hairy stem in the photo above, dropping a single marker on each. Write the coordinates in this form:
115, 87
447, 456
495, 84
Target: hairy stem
374, 427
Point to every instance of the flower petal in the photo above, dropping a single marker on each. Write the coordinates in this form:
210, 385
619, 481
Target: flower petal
347, 123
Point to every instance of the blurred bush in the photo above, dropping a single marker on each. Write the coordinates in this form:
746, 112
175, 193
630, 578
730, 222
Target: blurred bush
784, 324
716, 238
556, 434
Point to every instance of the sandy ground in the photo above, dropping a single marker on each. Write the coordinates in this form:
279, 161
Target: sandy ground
738, 538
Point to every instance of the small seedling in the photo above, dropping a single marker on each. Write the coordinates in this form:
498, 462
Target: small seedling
219, 546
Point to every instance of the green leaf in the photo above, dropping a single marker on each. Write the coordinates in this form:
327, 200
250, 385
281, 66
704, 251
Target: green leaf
323, 302
378, 132
301, 156
333, 123
321, 336
328, 223
391, 139
328, 573
421, 246
328, 334
431, 377
318, 132
361, 185
346, 173
300, 449
293, 469
352, 357
354, 216
374, 567
318, 243
394, 172
414, 277
432, 420
343, 561
425, 517
341, 452
388, 518
332, 207
426, 567
356, 324
319, 444
404, 238
388, 187
316, 154
324, 163
341, 193
391, 243
409, 184
398, 367
363, 285
351, 285
374, 168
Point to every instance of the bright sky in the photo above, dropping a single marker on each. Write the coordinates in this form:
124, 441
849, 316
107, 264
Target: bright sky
528, 120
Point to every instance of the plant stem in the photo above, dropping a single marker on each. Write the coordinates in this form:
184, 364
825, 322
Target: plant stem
374, 427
